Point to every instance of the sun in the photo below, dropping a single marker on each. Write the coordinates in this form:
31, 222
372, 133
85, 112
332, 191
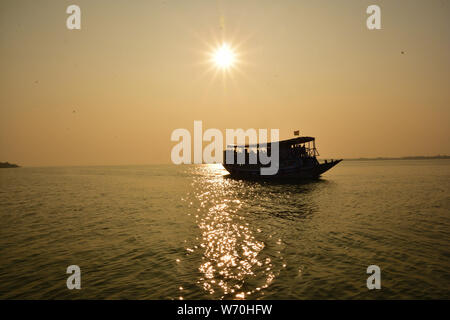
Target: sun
224, 57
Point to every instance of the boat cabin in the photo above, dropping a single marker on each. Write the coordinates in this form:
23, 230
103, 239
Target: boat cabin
292, 149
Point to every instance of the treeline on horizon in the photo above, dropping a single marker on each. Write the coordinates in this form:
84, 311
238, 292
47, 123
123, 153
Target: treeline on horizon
12, 165
8, 165
403, 158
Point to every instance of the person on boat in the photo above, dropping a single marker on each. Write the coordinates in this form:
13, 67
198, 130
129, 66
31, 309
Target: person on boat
302, 151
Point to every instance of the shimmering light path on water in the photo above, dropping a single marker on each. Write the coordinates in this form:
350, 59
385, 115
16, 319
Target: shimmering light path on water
190, 232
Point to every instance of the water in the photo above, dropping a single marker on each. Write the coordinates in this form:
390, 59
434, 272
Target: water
189, 232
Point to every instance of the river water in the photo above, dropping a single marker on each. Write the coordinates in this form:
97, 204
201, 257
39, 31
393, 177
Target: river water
191, 232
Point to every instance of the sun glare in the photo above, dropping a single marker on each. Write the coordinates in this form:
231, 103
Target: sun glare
224, 57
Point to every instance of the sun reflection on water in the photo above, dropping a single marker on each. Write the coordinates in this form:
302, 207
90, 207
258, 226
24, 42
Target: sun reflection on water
231, 254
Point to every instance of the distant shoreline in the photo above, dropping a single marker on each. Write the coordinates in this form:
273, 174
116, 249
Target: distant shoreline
402, 158
438, 157
8, 165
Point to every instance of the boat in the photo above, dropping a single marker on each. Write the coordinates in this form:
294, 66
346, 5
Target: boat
297, 159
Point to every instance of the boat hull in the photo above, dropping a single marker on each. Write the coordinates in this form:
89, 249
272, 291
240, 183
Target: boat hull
293, 172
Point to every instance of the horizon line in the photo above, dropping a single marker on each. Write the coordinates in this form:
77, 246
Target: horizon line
439, 157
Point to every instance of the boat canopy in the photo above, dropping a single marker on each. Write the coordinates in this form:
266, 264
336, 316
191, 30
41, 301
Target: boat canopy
283, 144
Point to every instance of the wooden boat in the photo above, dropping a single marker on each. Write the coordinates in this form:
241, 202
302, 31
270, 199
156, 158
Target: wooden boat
297, 159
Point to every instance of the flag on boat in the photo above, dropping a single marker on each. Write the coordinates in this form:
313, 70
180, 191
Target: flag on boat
296, 132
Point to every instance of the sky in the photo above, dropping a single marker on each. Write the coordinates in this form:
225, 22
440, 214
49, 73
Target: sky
113, 92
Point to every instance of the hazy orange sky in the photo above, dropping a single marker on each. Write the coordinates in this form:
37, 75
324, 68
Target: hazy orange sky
113, 92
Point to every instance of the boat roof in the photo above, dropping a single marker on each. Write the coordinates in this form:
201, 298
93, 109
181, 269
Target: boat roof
283, 143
